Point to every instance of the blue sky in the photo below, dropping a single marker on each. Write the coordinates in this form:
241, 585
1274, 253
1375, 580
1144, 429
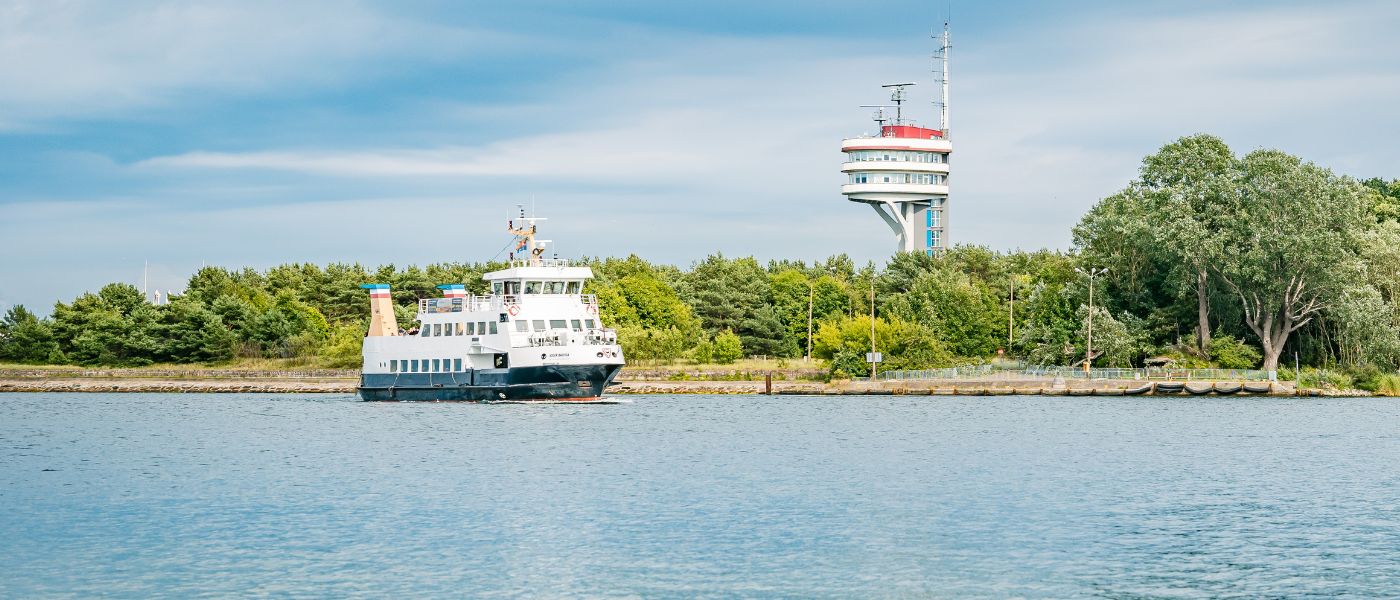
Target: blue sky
253, 133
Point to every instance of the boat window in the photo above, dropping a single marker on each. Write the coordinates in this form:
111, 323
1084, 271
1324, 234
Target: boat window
393, 366
493, 327
512, 288
457, 365
522, 326
578, 325
471, 328
496, 288
534, 287
414, 364
403, 365
590, 323
558, 324
573, 287
437, 329
437, 368
447, 330
539, 324
556, 287
461, 329
446, 365
481, 327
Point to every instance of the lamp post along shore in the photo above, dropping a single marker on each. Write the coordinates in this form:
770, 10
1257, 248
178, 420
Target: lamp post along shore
1089, 338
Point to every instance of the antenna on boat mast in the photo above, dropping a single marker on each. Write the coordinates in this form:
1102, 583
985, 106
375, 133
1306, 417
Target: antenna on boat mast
525, 237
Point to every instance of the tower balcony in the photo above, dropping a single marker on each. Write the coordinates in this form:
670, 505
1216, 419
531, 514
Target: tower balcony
892, 192
892, 143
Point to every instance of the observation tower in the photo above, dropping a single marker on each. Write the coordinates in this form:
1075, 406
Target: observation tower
903, 173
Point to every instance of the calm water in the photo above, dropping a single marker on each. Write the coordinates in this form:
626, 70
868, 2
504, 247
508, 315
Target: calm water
685, 496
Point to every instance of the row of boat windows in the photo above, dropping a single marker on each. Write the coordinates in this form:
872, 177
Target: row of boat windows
426, 365
524, 326
447, 329
890, 155
512, 288
920, 178
489, 327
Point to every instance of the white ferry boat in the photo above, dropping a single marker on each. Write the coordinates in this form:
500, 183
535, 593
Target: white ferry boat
535, 337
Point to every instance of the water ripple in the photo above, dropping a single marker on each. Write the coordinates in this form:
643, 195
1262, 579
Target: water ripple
699, 496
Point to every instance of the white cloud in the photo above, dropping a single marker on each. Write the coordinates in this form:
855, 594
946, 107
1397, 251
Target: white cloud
90, 58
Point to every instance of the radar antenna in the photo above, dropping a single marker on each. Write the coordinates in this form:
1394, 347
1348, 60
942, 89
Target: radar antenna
879, 116
897, 96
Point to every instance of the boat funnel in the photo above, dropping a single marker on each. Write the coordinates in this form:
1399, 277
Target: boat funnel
381, 308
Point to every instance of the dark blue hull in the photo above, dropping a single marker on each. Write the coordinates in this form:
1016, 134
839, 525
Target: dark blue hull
553, 382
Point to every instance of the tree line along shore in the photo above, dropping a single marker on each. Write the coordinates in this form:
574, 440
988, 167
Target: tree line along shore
1213, 259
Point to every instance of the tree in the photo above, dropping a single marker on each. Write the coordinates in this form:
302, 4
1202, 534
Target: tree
728, 347
965, 315
1231, 353
1157, 236
1192, 180
1289, 241
290, 328
115, 326
845, 341
186, 332
26, 339
731, 295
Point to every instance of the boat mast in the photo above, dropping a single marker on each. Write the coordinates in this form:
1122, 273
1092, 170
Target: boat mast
525, 238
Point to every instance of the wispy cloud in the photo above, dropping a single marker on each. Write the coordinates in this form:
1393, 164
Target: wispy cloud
89, 58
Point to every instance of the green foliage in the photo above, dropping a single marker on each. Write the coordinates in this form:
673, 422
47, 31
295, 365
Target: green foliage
342, 349
957, 308
1388, 385
1230, 353
735, 295
728, 348
26, 339
189, 332
112, 327
845, 341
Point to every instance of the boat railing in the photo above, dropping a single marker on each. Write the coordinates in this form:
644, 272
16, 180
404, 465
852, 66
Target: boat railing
565, 337
542, 262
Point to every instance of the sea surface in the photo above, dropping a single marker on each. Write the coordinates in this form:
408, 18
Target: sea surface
154, 495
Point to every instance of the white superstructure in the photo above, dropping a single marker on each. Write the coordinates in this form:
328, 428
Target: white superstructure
535, 335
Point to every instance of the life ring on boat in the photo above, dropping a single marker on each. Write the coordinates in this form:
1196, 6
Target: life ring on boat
513, 309
592, 310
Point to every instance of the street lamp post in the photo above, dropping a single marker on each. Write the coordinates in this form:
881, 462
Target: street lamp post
1089, 342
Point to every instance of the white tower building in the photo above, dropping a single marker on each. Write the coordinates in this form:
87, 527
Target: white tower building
903, 173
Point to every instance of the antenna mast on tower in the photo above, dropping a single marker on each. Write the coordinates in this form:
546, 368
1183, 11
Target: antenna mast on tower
941, 76
897, 96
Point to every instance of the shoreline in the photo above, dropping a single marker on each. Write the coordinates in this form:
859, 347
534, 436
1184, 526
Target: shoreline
346, 382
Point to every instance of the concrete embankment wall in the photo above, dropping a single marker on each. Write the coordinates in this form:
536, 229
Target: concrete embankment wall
345, 381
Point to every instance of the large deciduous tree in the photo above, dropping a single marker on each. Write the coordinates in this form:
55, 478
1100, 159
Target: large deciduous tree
1289, 240
1162, 227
